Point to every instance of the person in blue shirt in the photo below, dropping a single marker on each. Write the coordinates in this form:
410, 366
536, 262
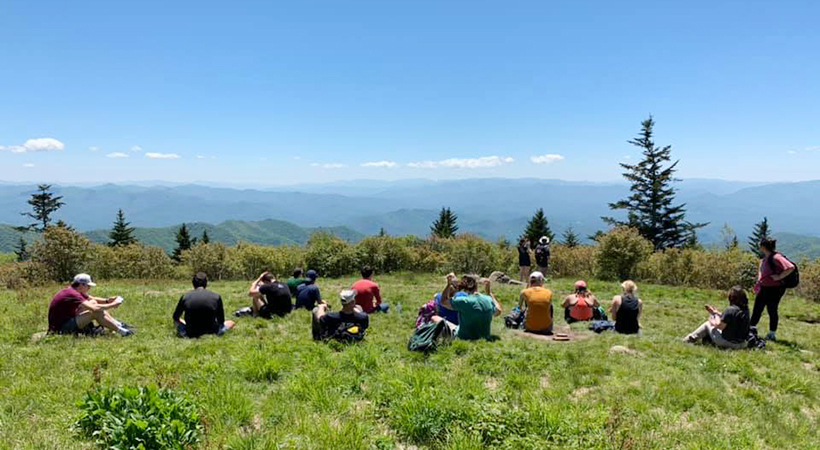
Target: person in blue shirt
308, 295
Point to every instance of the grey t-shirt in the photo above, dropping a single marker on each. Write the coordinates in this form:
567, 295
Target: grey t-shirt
737, 324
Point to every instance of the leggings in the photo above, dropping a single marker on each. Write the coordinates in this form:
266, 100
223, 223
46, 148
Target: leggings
769, 298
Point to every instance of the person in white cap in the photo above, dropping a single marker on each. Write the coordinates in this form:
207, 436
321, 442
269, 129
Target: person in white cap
72, 310
542, 254
351, 322
536, 302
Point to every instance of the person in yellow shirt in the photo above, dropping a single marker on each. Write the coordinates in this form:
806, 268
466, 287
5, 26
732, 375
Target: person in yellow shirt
536, 303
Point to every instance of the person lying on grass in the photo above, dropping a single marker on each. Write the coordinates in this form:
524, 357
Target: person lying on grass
626, 309
349, 324
369, 298
72, 310
203, 311
475, 310
729, 329
307, 294
536, 303
269, 297
582, 305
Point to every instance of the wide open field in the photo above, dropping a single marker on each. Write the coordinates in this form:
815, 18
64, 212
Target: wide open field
268, 385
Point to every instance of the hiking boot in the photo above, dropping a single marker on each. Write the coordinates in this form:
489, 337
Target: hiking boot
771, 336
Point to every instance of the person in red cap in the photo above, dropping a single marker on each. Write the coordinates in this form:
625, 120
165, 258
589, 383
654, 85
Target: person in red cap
582, 305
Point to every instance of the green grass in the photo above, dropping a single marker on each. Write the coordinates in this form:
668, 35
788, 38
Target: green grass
266, 385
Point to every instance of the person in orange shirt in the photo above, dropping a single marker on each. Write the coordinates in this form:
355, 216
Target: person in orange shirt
536, 302
580, 306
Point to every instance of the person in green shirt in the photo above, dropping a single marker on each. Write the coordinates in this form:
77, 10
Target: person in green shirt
475, 310
295, 281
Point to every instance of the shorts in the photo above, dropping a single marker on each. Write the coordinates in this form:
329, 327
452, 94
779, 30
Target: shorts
70, 326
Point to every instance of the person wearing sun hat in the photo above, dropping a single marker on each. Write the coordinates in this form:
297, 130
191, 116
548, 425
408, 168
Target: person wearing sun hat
542, 254
350, 321
72, 309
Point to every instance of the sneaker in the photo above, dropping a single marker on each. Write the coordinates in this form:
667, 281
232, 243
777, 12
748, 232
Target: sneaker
125, 325
126, 333
771, 336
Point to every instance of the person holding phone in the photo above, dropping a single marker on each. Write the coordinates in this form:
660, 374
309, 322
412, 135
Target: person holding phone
729, 329
524, 260
475, 310
72, 310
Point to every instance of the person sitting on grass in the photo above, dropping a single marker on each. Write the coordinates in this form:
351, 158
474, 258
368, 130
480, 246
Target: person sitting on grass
582, 305
536, 304
348, 324
475, 310
269, 297
729, 329
203, 311
307, 294
368, 296
626, 309
295, 281
72, 310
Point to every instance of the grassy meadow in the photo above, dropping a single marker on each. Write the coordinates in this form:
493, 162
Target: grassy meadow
267, 385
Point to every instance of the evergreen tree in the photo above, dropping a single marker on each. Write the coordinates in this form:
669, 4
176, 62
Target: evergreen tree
570, 238
61, 224
760, 232
596, 235
650, 206
205, 239
538, 226
22, 250
729, 237
184, 242
43, 205
445, 226
121, 234
382, 233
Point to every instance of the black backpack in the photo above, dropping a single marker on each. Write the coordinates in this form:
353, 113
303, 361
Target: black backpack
515, 319
791, 281
348, 332
426, 337
542, 255
753, 341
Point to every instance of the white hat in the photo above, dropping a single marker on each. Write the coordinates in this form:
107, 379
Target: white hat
536, 276
84, 278
544, 240
348, 296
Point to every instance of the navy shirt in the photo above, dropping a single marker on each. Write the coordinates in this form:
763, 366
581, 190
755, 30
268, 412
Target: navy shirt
307, 295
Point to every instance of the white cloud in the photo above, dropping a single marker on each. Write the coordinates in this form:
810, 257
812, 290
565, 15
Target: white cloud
328, 165
152, 155
463, 163
117, 155
387, 164
549, 159
28, 165
792, 152
813, 148
136, 149
205, 157
36, 145
93, 149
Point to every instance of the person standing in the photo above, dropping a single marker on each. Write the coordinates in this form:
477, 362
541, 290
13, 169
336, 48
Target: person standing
542, 254
774, 267
524, 260
368, 296
203, 310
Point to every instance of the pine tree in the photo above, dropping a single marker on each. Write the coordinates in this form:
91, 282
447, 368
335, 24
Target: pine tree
760, 232
570, 238
650, 207
121, 234
184, 242
205, 239
382, 233
22, 250
596, 235
61, 224
43, 204
445, 226
729, 237
538, 226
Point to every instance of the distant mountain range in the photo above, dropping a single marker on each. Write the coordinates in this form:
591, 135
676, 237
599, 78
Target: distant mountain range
491, 208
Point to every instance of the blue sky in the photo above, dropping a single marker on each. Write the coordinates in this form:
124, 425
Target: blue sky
284, 92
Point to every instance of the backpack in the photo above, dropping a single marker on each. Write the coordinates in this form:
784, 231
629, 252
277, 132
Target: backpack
426, 337
791, 281
542, 255
515, 319
348, 332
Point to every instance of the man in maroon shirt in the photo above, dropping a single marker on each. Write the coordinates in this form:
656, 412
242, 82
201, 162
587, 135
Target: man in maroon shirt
72, 309
368, 296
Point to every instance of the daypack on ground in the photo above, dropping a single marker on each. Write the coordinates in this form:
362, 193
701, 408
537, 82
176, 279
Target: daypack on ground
348, 332
791, 281
429, 336
515, 319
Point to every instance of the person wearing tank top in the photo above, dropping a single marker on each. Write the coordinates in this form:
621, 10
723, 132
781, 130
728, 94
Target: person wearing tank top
581, 305
626, 309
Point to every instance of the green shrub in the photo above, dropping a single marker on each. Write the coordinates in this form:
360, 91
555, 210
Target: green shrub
215, 260
573, 262
129, 261
139, 418
18, 275
619, 253
62, 252
330, 256
471, 254
699, 268
385, 254
810, 281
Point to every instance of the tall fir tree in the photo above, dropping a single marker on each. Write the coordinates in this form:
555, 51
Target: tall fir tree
382, 233
446, 224
43, 204
184, 242
121, 234
650, 207
538, 226
570, 238
21, 250
205, 239
760, 232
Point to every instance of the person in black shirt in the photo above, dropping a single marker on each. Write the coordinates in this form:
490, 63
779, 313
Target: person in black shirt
727, 330
269, 297
626, 309
542, 254
326, 324
203, 311
524, 260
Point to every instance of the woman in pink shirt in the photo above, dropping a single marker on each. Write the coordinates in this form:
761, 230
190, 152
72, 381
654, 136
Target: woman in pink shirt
769, 290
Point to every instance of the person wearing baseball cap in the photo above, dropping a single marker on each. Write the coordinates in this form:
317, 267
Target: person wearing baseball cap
536, 302
308, 294
350, 323
72, 310
582, 305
